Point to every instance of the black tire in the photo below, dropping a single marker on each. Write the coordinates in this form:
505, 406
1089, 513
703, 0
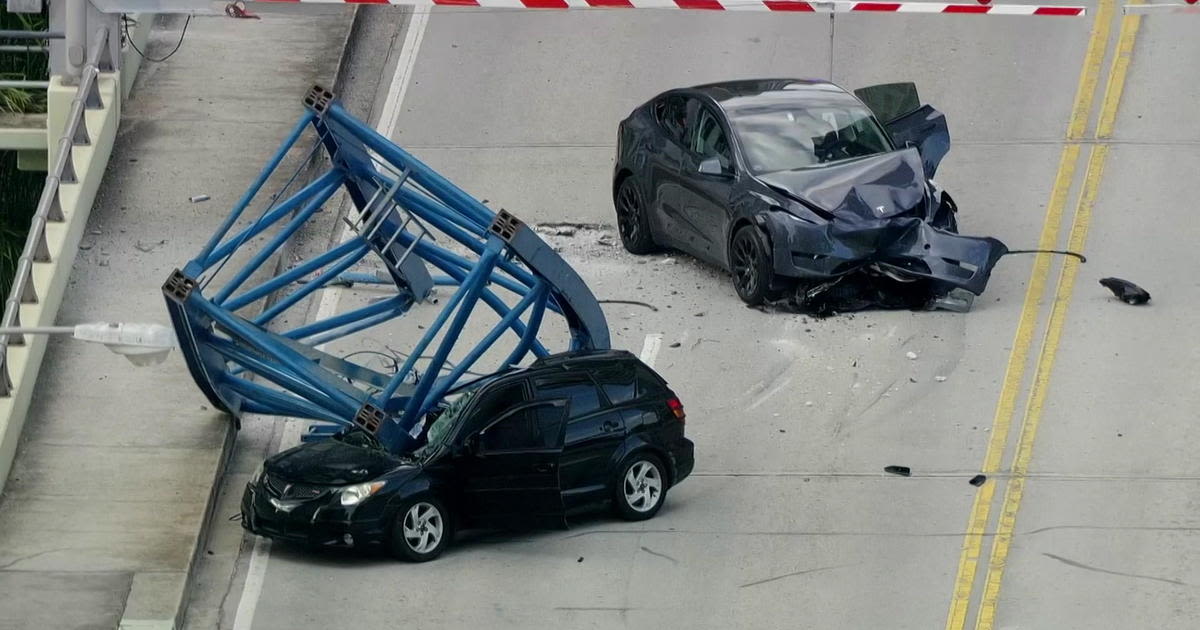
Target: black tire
750, 264
406, 538
632, 222
651, 470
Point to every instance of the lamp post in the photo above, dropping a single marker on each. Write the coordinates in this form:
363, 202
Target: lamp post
142, 344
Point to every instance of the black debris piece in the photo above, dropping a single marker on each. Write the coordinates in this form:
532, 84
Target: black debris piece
631, 302
978, 480
675, 345
580, 559
903, 471
1126, 291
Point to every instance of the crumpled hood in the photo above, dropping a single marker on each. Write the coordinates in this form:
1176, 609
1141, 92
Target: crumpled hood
876, 187
330, 462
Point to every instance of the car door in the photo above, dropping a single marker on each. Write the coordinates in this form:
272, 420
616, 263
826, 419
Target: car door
509, 470
897, 107
594, 432
670, 112
705, 195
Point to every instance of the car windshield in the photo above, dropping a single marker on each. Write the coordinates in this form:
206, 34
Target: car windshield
790, 136
449, 418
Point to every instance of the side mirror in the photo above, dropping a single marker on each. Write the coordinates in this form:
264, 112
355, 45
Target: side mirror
712, 166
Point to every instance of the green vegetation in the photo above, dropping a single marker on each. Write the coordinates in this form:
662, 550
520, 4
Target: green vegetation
19, 190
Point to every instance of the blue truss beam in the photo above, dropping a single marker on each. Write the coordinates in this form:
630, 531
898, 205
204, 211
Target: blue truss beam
407, 219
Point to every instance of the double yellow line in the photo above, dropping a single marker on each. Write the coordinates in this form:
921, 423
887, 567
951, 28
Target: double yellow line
1015, 372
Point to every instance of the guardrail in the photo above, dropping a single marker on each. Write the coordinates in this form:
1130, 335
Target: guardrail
49, 208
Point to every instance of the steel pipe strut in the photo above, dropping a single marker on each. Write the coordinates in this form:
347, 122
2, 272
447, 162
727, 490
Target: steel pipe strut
407, 222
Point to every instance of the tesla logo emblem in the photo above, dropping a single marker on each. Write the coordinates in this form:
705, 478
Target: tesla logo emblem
879, 209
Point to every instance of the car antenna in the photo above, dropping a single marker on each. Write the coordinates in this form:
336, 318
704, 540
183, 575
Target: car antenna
1064, 252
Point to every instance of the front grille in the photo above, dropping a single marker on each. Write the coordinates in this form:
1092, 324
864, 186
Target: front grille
283, 489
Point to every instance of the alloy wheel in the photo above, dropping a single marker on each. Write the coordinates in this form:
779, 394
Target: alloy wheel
643, 486
629, 214
423, 527
746, 262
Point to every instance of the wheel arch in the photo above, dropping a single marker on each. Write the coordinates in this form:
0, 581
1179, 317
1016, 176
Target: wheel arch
650, 449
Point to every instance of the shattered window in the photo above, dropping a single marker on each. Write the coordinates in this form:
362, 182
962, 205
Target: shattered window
784, 137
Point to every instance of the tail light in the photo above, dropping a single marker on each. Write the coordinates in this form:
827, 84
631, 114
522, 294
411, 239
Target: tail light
676, 408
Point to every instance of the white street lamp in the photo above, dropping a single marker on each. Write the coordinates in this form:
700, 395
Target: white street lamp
142, 344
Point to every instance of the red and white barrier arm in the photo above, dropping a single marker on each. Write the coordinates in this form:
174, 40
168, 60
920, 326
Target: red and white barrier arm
798, 6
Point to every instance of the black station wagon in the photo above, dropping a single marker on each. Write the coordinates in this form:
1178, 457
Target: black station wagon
525, 447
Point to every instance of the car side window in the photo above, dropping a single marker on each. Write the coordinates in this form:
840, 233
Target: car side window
578, 389
495, 401
710, 140
648, 384
671, 113
535, 427
620, 385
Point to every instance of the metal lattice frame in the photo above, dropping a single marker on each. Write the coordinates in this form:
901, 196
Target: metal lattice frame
400, 203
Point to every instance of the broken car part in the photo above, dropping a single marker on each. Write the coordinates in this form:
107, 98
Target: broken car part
424, 231
1126, 291
903, 471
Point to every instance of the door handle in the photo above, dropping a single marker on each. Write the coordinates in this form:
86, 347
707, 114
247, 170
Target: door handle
543, 468
610, 425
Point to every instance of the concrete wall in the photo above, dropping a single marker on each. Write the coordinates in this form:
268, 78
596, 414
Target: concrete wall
50, 278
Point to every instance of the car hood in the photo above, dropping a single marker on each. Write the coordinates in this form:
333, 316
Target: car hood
330, 462
875, 187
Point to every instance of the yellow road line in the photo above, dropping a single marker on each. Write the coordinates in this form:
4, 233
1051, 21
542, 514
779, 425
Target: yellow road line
1014, 374
1058, 315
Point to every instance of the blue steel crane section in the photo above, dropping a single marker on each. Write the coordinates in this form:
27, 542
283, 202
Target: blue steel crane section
226, 330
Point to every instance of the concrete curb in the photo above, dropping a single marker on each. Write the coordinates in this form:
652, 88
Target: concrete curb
145, 597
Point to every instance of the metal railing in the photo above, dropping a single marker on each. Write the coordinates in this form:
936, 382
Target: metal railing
49, 207
28, 49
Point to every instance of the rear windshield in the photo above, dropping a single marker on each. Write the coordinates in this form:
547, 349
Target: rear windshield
789, 136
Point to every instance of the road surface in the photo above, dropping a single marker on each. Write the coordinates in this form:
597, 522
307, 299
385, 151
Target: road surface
1078, 408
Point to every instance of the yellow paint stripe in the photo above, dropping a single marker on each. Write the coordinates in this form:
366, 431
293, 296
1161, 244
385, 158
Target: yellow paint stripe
1089, 77
1058, 315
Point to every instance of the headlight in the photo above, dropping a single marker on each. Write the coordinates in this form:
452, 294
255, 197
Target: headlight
353, 495
258, 473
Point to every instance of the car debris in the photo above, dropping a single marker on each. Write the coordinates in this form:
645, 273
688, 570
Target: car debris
198, 198
630, 302
1126, 291
815, 199
903, 471
912, 356
978, 480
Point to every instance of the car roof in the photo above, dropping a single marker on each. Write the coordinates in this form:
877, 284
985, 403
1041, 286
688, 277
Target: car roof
754, 92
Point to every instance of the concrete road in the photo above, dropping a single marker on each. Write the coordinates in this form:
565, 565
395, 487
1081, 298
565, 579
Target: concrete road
788, 520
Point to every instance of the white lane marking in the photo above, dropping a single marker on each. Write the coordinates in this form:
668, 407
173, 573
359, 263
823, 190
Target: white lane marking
650, 348
255, 574
405, 63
